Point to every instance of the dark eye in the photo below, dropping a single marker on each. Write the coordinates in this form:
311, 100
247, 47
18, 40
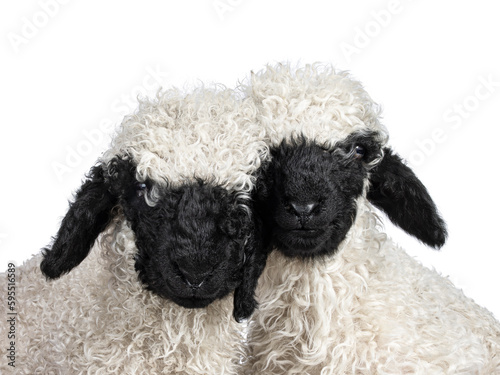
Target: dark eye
141, 188
359, 152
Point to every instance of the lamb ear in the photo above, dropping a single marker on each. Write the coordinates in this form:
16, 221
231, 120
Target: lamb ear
261, 195
256, 251
86, 218
397, 191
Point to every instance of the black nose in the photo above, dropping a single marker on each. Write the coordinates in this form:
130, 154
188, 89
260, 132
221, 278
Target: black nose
194, 284
192, 278
302, 209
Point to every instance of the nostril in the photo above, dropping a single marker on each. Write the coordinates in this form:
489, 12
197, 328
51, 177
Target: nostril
303, 208
193, 279
194, 284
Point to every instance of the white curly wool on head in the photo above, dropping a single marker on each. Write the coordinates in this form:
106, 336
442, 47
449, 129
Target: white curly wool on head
315, 101
208, 134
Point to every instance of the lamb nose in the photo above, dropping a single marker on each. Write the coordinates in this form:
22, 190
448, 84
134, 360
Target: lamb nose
194, 282
192, 279
303, 208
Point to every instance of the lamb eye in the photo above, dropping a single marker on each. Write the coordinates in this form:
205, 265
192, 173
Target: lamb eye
141, 189
359, 152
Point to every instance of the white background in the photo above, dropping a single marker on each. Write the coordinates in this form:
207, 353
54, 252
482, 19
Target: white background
70, 70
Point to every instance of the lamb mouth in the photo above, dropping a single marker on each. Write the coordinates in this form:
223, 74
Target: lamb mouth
188, 300
193, 302
305, 231
299, 239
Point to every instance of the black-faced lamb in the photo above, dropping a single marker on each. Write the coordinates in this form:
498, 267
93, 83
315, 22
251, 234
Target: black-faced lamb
177, 249
337, 295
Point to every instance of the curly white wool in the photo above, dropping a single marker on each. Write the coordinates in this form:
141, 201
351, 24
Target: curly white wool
315, 101
206, 134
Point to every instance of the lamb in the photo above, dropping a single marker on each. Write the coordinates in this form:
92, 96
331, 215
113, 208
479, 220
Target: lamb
337, 295
179, 242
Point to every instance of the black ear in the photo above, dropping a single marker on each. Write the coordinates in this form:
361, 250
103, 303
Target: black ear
86, 218
256, 250
262, 194
399, 193
258, 247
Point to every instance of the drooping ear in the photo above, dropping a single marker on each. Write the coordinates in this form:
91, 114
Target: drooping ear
264, 180
256, 251
258, 246
86, 218
397, 191
262, 194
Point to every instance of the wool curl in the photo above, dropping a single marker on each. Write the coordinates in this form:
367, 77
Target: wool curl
315, 101
206, 134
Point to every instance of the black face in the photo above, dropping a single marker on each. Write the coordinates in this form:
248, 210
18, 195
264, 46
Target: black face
190, 239
191, 243
311, 193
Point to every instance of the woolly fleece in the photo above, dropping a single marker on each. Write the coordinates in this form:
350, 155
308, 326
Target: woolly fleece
370, 308
99, 319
